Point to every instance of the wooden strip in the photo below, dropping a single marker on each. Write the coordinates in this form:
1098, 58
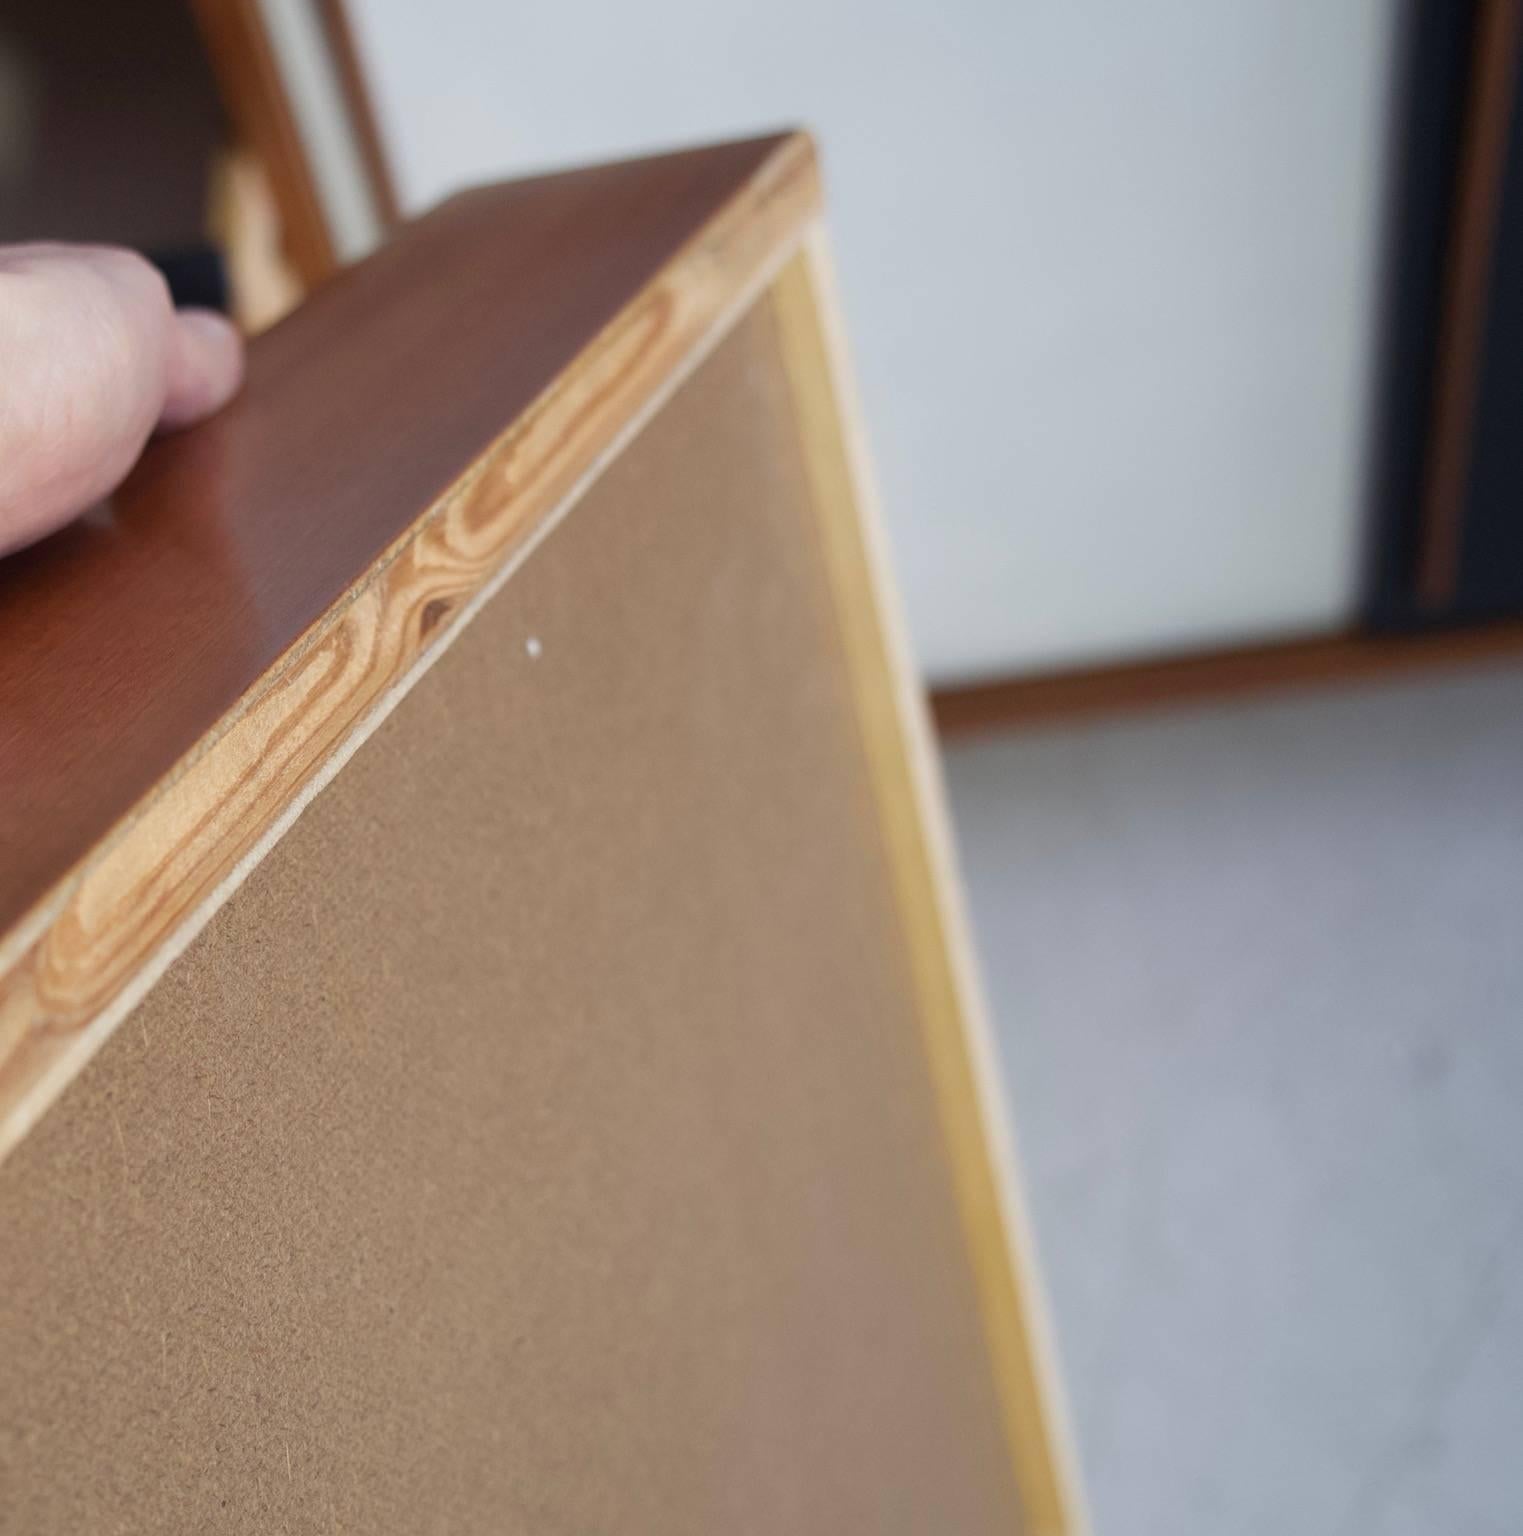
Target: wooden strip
342, 44
71, 969
1467, 286
255, 94
1336, 660
245, 223
906, 780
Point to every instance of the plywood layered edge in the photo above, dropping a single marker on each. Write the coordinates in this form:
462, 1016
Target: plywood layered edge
79, 960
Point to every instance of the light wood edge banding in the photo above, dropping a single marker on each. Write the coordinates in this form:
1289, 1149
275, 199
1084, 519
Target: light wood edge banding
77, 964
911, 806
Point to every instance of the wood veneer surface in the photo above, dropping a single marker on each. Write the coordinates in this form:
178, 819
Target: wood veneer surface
541, 1138
127, 637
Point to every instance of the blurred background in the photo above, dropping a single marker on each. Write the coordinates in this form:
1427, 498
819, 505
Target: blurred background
1190, 337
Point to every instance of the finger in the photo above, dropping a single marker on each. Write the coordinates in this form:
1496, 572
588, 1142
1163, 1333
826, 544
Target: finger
205, 367
94, 359
84, 333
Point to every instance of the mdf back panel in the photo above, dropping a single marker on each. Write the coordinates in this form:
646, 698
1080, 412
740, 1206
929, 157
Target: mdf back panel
541, 1138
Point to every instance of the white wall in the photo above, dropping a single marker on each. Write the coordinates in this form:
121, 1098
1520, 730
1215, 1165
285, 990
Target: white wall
1108, 270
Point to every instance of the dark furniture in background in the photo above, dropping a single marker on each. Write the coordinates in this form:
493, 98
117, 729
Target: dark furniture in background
1447, 484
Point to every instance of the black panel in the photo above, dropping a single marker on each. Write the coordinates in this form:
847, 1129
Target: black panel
1491, 551
1427, 127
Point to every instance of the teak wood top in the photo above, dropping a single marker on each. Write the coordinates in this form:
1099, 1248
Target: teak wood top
400, 440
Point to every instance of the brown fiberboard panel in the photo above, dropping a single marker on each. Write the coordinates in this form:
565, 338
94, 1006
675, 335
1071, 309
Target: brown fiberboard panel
540, 1139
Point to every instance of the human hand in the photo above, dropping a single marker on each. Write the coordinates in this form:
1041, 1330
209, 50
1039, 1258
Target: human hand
93, 359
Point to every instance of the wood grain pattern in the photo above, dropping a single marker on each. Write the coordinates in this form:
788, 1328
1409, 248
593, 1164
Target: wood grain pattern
177, 676
911, 809
1180, 681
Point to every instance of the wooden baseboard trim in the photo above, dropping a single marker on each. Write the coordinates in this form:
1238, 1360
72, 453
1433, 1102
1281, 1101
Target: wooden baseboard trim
1017, 702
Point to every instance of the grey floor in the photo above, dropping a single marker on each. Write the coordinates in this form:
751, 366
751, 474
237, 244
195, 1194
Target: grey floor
1258, 978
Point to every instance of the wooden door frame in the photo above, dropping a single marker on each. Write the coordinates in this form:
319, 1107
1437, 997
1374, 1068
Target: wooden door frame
260, 106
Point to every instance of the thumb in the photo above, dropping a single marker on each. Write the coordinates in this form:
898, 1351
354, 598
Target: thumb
204, 367
95, 358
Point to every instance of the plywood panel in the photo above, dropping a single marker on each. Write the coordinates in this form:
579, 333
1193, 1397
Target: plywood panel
541, 1137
